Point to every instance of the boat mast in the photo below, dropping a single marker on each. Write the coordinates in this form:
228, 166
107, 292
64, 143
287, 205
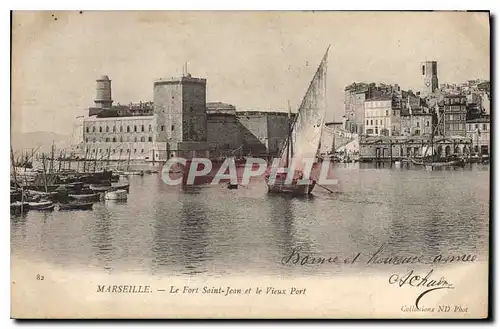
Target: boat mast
13, 165
44, 174
289, 141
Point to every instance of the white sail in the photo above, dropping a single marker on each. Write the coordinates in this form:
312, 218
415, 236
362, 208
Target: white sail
308, 124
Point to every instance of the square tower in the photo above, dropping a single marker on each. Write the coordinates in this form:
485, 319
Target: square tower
429, 77
180, 106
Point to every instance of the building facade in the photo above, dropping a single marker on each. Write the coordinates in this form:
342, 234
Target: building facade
379, 117
419, 123
478, 130
454, 115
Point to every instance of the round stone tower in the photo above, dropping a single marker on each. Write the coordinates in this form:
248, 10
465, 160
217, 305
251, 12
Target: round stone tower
103, 93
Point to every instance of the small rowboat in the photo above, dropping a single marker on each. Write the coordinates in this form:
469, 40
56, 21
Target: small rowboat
120, 187
100, 188
43, 194
116, 195
85, 197
76, 206
15, 207
41, 205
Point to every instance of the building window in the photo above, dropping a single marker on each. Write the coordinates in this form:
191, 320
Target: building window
150, 139
121, 150
142, 150
114, 129
128, 150
142, 127
107, 139
128, 129
100, 129
135, 150
121, 128
142, 139
475, 126
121, 139
149, 128
418, 124
100, 150
114, 139
386, 113
172, 127
135, 139
371, 122
135, 128
162, 127
367, 122
88, 130
107, 129
427, 123
86, 140
484, 126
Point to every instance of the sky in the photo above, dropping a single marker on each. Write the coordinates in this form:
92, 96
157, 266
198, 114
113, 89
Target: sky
253, 60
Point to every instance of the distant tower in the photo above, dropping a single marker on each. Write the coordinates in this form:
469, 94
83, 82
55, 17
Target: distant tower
429, 77
103, 93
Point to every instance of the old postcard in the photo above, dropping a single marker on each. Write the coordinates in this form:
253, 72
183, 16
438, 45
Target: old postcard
250, 164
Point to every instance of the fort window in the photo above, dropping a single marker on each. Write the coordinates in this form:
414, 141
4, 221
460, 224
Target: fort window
114, 139
418, 124
371, 122
172, 127
162, 127
427, 123
128, 129
150, 139
135, 128
100, 129
142, 128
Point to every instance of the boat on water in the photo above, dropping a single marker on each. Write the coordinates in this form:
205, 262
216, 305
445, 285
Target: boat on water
44, 205
136, 173
100, 188
85, 197
303, 140
116, 195
76, 206
18, 207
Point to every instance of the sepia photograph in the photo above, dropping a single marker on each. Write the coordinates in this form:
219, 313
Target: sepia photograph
250, 164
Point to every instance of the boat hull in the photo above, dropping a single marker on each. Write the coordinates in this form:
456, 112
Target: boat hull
280, 186
116, 195
76, 206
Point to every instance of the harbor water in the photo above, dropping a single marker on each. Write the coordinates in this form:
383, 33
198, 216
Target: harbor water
215, 231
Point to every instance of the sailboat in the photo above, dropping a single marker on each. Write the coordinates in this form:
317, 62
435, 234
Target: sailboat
303, 140
434, 160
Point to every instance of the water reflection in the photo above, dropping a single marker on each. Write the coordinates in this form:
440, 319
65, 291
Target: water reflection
216, 231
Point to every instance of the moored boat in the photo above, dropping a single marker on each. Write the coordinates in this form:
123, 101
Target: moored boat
40, 205
116, 195
100, 188
76, 206
85, 197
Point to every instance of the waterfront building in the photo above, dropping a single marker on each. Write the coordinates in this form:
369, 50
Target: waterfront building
452, 123
417, 122
379, 116
478, 130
